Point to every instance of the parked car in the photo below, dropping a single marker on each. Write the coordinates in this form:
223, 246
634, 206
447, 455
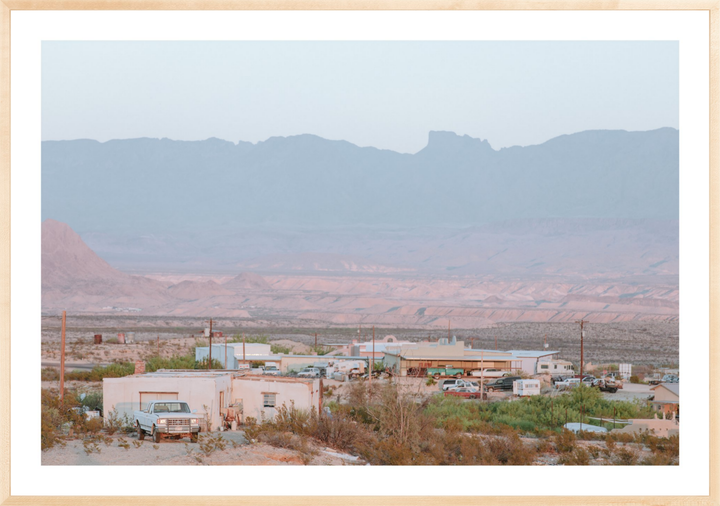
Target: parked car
271, 370
557, 379
467, 393
588, 380
446, 385
437, 372
670, 378
309, 372
490, 373
502, 384
169, 418
568, 383
606, 384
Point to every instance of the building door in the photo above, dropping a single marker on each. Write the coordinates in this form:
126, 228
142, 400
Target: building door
146, 397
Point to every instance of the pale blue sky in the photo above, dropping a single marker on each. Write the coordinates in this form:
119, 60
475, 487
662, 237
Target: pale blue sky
383, 94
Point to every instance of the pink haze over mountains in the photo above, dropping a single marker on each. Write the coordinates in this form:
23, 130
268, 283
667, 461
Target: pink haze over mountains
75, 278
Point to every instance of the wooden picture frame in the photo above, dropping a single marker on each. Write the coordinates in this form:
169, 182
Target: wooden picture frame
8, 6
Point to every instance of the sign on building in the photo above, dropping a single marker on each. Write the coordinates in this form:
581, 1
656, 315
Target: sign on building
625, 370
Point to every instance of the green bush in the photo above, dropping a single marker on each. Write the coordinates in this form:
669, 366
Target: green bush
277, 349
237, 338
100, 372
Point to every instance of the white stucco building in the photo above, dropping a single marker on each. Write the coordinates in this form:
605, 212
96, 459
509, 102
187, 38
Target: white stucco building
212, 393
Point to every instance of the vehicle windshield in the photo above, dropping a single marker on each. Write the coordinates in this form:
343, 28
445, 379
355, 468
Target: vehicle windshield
172, 407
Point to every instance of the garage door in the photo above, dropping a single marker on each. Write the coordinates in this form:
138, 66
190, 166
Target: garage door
146, 397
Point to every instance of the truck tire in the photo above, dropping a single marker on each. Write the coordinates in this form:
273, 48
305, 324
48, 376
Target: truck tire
472, 397
156, 435
458, 375
490, 389
613, 390
194, 437
141, 433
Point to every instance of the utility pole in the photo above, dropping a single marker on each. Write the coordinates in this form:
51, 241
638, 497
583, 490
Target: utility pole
373, 352
316, 341
210, 348
448, 330
62, 360
582, 350
226, 351
482, 375
243, 347
158, 344
495, 343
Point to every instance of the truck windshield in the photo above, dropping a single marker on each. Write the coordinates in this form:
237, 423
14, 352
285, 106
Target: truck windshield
172, 407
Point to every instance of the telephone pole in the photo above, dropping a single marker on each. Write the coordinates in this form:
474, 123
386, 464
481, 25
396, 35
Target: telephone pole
582, 350
210, 348
62, 360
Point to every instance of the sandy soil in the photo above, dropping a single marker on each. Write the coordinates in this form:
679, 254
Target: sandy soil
129, 451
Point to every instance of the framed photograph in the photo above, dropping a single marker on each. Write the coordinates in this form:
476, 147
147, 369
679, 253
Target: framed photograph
344, 252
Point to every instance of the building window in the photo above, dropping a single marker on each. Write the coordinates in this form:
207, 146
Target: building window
269, 400
543, 366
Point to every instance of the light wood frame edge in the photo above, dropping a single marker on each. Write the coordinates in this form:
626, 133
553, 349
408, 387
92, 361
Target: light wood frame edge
6, 6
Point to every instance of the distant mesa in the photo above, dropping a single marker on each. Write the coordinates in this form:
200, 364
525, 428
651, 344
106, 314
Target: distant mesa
193, 290
247, 281
493, 299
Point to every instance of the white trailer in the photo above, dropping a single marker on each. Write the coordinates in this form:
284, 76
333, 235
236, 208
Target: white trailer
527, 387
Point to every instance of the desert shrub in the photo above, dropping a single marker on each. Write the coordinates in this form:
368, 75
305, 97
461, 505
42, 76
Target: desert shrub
510, 450
112, 340
577, 457
321, 349
624, 456
337, 430
176, 362
537, 414
118, 423
659, 459
430, 382
93, 401
565, 441
278, 348
49, 374
99, 372
209, 443
634, 378
237, 338
55, 416
203, 364
391, 427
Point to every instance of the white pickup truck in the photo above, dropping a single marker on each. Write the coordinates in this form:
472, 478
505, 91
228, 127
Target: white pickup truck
170, 418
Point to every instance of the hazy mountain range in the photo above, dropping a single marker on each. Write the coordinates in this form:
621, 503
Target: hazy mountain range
144, 185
